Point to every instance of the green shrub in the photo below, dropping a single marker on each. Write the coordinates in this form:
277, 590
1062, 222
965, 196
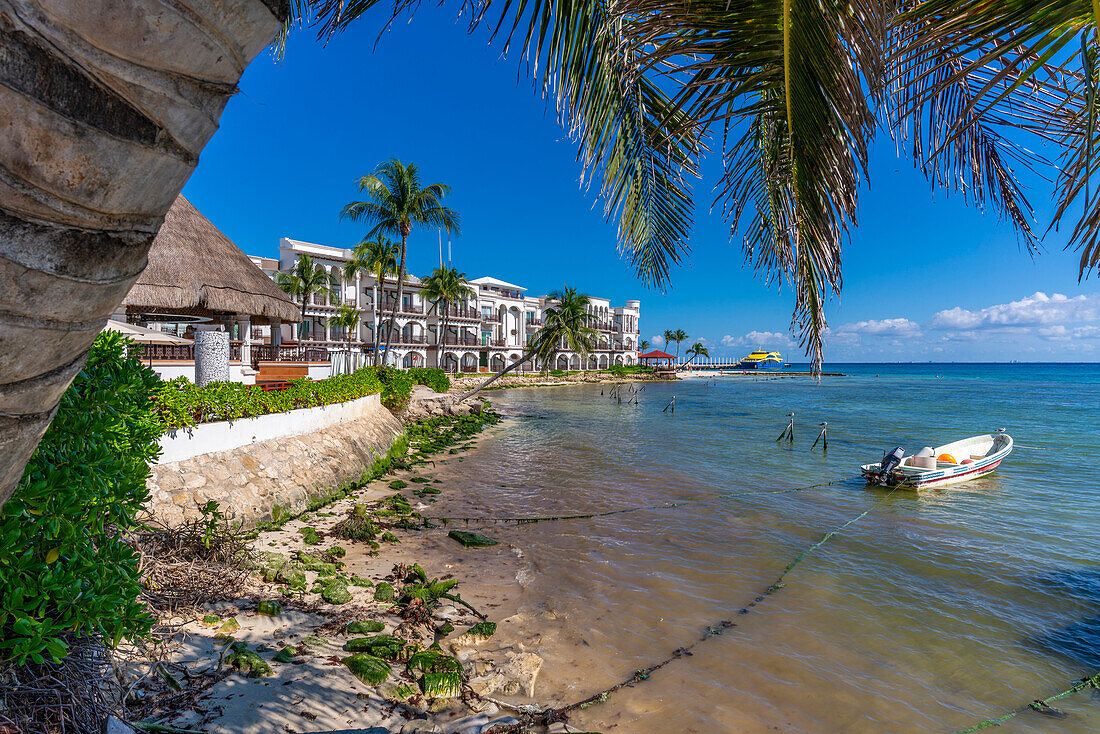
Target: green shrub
65, 567
436, 379
396, 387
181, 403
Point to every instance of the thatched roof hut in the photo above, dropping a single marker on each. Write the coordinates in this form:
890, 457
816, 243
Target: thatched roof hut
195, 270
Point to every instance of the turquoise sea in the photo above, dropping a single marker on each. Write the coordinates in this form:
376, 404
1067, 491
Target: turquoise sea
932, 612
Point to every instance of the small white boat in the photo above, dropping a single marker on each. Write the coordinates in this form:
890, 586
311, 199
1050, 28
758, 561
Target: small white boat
960, 461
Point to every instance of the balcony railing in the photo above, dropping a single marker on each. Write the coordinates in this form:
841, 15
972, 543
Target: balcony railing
184, 352
284, 353
534, 323
463, 312
452, 341
410, 310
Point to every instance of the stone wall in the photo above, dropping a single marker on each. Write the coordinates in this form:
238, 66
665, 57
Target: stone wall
249, 480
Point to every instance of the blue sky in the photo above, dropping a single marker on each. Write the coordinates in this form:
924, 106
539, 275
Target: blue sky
925, 277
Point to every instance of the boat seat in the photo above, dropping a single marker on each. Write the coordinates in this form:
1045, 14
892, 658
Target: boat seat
977, 456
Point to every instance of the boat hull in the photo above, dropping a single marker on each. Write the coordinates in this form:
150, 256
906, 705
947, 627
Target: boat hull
1000, 446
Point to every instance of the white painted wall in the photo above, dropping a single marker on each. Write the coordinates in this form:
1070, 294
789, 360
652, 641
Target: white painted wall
208, 438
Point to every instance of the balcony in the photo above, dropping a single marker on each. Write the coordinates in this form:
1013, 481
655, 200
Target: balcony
534, 323
405, 310
453, 341
288, 353
462, 312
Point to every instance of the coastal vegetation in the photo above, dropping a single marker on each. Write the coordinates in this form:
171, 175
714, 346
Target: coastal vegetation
305, 280
396, 204
347, 319
378, 258
66, 570
445, 286
676, 335
698, 349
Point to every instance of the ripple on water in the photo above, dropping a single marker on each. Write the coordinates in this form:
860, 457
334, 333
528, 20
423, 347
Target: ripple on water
933, 612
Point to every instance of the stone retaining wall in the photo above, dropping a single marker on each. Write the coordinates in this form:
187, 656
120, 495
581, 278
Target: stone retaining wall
249, 480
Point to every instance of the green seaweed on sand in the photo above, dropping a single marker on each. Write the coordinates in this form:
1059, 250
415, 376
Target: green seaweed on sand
310, 536
387, 647
246, 662
285, 655
383, 592
364, 627
360, 581
269, 608
336, 592
471, 539
398, 484
420, 480
439, 675
370, 669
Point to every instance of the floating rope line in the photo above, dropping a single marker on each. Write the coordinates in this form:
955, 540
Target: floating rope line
1041, 705
549, 716
665, 506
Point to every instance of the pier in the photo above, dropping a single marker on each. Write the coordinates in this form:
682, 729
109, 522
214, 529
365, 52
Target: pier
732, 367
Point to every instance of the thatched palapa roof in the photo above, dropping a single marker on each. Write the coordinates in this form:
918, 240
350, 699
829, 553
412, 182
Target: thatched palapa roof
195, 269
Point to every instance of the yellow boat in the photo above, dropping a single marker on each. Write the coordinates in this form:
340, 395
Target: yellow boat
762, 360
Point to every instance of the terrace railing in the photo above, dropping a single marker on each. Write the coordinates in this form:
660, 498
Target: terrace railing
184, 352
284, 353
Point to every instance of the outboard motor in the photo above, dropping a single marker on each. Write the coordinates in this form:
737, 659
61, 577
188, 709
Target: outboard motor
890, 462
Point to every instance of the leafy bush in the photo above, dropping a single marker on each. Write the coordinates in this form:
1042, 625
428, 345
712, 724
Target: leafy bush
436, 379
181, 403
396, 387
65, 568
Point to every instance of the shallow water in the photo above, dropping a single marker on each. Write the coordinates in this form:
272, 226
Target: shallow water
931, 613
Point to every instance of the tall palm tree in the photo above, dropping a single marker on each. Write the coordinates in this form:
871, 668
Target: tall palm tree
307, 278
677, 336
445, 286
347, 318
697, 350
378, 258
643, 345
566, 326
396, 204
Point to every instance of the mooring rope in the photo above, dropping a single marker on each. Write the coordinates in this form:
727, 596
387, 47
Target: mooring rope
1040, 705
665, 506
551, 715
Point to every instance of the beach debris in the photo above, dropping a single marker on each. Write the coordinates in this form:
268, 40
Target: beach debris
312, 563
246, 662
439, 675
476, 635
358, 525
269, 608
470, 539
370, 669
336, 552
383, 592
211, 620
360, 581
285, 655
336, 592
310, 536
398, 484
230, 626
314, 641
364, 627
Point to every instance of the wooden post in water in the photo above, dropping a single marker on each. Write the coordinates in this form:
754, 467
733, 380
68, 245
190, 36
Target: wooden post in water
788, 432
823, 437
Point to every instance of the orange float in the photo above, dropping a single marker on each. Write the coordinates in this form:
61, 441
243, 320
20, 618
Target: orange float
948, 458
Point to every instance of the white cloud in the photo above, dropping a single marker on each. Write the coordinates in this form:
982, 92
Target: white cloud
657, 340
880, 327
729, 341
1038, 309
760, 339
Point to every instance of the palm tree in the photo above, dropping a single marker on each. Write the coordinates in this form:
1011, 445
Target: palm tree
395, 204
347, 318
696, 350
306, 279
677, 336
378, 258
643, 345
445, 286
566, 326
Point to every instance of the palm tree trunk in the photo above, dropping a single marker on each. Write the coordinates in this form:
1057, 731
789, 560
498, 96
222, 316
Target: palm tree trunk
443, 338
377, 338
497, 376
397, 302
101, 124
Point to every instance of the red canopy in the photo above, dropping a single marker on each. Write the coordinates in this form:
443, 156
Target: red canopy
656, 354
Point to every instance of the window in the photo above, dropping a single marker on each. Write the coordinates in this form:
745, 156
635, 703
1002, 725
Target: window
486, 312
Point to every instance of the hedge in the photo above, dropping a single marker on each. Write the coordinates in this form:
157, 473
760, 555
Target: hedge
180, 403
434, 378
64, 567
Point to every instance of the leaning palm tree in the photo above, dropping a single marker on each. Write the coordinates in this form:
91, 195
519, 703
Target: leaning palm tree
566, 327
378, 258
643, 345
677, 336
697, 350
445, 286
306, 279
396, 204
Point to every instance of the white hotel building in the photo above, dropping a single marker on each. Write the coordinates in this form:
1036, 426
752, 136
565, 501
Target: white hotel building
485, 333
